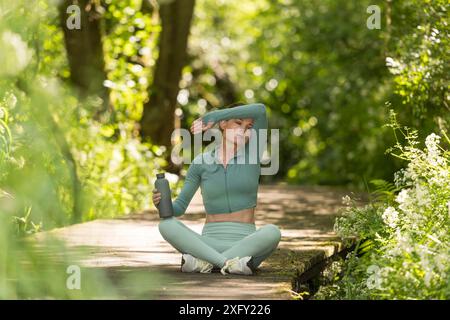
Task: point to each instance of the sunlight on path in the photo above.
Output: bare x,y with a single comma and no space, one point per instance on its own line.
305,216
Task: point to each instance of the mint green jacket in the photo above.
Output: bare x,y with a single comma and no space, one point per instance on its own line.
234,188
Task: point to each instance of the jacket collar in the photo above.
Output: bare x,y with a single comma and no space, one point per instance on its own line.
215,154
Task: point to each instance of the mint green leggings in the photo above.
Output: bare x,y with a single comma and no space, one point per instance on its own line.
221,241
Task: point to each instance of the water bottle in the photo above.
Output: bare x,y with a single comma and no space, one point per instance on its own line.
165,207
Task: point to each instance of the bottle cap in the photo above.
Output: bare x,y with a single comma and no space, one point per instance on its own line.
160,175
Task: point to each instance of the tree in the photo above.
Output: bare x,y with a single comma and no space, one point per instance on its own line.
84,48
157,121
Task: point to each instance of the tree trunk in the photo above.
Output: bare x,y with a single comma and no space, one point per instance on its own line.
157,123
85,50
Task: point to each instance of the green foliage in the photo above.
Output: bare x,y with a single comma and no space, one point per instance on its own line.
57,162
117,174
406,251
326,79
24,225
321,73
56,141
418,57
129,45
324,76
365,222
383,191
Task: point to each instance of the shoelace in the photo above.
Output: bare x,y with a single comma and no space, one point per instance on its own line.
228,264
205,266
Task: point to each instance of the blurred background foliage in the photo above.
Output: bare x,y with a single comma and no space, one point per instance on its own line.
326,77
72,144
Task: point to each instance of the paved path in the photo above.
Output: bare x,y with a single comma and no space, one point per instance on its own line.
305,216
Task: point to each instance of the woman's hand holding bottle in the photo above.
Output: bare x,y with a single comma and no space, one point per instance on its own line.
156,197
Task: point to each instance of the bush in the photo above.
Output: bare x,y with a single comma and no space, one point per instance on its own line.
409,253
58,164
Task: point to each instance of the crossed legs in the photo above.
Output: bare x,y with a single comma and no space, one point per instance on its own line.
259,244
188,241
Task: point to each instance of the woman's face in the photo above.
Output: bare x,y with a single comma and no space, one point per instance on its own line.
237,131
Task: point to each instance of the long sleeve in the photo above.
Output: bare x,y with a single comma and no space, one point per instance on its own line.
190,186
256,111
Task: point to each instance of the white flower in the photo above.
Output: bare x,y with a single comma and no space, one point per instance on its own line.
10,100
442,261
395,67
428,277
14,54
432,142
390,217
422,195
404,200
402,197
346,200
433,153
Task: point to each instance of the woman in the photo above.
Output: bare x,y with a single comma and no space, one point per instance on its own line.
229,184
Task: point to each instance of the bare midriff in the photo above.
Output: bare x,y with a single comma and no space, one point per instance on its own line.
243,216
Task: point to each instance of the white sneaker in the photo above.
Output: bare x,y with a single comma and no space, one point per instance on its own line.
237,266
192,264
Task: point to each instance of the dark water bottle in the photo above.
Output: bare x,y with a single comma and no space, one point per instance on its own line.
164,206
